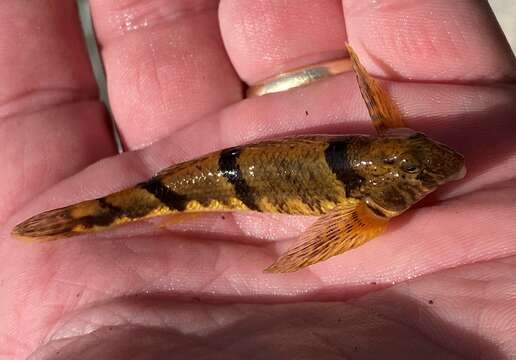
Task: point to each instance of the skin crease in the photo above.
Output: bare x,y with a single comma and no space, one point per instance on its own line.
440,284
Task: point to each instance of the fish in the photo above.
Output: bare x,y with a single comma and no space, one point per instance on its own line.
354,183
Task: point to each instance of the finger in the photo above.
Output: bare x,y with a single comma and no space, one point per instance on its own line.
436,40
49,116
265,38
165,63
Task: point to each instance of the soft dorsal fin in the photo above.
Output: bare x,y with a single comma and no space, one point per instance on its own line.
343,228
382,110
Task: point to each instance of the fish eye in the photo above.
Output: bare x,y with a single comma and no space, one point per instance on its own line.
409,164
410,168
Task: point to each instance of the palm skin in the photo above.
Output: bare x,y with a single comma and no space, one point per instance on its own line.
439,285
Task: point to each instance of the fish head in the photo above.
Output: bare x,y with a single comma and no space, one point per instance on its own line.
404,166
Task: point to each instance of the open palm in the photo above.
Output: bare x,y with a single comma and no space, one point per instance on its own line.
440,284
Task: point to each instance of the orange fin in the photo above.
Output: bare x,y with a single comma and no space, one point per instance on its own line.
383,112
345,227
177,218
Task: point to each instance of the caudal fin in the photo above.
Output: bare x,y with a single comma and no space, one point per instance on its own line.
94,215
47,226
72,220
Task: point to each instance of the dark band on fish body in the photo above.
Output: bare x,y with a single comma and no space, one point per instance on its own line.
163,193
337,158
104,204
103,218
133,211
228,165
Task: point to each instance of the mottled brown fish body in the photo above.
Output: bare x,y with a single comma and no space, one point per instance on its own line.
356,183
304,176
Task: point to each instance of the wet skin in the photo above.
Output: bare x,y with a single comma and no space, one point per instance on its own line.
439,284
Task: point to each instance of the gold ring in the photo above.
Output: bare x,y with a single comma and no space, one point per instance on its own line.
299,77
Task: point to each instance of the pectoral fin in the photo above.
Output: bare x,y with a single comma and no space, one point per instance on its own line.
345,227
382,110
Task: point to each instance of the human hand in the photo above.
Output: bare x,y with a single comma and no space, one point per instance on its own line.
439,284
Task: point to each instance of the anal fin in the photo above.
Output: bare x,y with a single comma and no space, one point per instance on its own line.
345,227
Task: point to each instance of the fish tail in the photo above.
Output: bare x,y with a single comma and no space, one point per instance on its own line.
93,215
59,223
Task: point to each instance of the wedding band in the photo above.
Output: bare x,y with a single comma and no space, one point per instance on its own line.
299,77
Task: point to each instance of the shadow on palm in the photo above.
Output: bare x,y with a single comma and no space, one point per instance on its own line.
388,324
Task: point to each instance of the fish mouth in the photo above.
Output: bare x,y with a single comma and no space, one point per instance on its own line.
458,175
455,176
379,210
